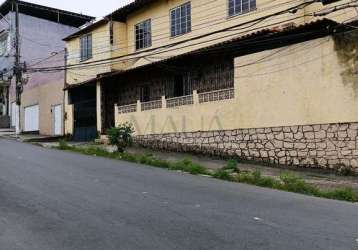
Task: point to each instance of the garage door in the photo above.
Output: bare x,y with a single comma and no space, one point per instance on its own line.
31,118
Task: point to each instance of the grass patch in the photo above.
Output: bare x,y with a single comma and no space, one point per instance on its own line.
231,165
63,145
287,181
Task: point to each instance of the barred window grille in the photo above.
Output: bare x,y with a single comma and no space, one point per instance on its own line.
237,7
180,20
143,34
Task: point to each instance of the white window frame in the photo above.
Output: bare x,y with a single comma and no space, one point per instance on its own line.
240,3
86,43
178,21
146,34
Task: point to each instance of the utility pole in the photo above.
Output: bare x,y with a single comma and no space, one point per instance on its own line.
17,68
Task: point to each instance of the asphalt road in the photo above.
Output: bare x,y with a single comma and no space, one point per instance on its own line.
59,200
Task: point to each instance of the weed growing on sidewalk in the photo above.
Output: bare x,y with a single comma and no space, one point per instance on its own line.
63,145
230,172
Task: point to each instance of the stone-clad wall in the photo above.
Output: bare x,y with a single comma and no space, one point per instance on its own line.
328,146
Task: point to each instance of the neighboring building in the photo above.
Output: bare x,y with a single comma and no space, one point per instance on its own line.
269,81
41,31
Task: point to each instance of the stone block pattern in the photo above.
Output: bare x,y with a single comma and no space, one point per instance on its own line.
326,146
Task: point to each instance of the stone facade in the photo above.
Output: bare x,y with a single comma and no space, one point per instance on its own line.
325,146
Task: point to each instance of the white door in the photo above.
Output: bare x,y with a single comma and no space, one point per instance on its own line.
57,119
13,114
32,118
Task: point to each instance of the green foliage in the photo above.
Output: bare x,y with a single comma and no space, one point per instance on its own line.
344,194
231,165
121,136
288,181
294,183
223,175
63,145
187,165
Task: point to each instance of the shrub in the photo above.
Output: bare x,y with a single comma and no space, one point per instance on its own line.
121,136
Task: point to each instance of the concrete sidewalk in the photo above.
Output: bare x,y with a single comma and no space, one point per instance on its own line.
10,134
317,177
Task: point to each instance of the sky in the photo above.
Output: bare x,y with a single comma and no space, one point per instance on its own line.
88,7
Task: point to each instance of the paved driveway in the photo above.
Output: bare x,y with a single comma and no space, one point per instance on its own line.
57,200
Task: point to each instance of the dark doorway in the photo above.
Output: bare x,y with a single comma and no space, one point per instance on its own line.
85,114
109,99
178,86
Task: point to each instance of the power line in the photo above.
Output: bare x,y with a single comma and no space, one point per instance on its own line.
119,48
207,24
146,50
239,44
98,64
201,36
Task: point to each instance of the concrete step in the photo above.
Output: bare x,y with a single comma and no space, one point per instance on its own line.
7,132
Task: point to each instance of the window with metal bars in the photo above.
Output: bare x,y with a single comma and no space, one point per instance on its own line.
180,20
143,34
86,47
237,7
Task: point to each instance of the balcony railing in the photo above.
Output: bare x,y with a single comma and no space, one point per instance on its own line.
180,101
157,104
195,98
218,95
127,108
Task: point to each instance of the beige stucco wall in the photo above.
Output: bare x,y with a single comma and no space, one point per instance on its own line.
101,50
211,16
46,96
119,47
207,16
295,85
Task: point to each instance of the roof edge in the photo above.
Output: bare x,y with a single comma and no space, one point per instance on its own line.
86,29
48,13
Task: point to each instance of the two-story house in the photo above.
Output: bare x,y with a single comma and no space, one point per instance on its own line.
269,81
41,30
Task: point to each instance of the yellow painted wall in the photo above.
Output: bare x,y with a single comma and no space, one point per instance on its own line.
210,16
295,85
207,16
101,50
119,47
